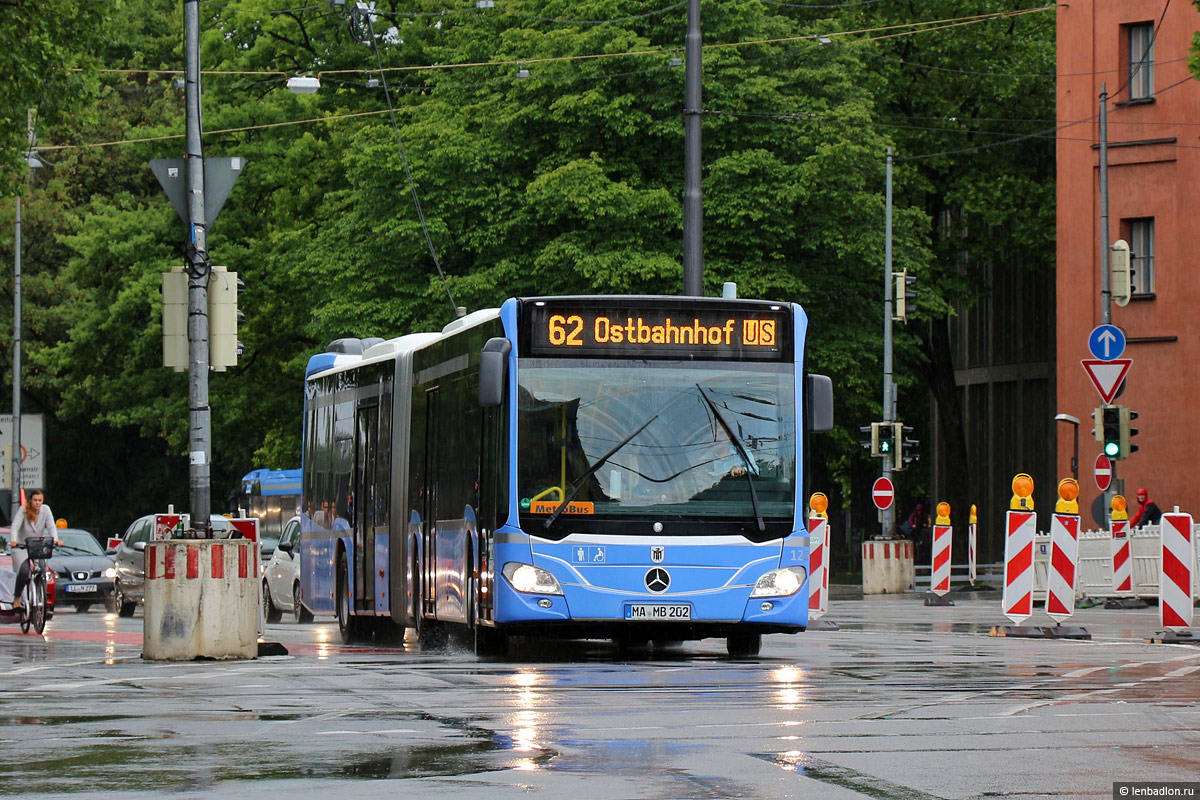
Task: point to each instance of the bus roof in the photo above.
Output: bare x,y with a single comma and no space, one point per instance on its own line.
390,348
272,481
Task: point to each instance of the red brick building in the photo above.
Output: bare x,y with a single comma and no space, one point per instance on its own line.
1140,52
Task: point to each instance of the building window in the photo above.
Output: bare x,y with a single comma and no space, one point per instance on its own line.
1141,61
1141,254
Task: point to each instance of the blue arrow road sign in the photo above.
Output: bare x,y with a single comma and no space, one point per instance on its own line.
1106,342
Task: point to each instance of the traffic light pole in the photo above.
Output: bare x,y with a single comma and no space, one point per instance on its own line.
888,515
1105,251
198,267
1105,285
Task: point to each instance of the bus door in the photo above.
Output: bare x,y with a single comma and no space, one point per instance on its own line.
366,443
429,518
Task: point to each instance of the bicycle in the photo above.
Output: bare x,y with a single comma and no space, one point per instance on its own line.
33,598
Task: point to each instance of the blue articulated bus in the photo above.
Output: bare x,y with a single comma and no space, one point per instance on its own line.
586,467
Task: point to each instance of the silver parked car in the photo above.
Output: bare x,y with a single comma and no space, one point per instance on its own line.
130,558
281,578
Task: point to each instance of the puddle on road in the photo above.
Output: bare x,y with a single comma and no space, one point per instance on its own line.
143,763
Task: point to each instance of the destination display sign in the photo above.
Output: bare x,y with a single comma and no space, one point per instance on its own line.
755,333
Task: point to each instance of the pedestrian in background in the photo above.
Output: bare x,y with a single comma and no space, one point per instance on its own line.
914,529
1148,512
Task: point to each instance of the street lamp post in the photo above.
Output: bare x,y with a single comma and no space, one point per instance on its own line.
31,160
1075,454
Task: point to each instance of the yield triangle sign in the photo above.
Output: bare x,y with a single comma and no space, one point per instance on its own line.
1107,376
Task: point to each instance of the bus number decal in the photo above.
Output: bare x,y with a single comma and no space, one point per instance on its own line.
558,333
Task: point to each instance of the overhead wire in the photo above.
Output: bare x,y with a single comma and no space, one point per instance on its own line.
1043,133
412,186
914,27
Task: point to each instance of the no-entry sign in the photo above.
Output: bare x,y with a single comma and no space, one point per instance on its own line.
882,493
1103,472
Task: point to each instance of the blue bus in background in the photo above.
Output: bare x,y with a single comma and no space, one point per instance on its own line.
273,497
587,467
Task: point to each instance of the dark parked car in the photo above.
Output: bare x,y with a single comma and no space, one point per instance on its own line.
130,560
83,573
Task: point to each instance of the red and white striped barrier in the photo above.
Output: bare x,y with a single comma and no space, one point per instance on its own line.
940,575
1064,558
1017,597
1178,558
818,564
201,599
1122,562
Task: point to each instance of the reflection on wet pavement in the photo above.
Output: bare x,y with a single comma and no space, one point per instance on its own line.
904,701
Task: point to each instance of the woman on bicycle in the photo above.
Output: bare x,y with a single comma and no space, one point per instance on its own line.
34,520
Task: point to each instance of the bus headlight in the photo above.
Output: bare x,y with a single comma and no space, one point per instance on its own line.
780,582
530,579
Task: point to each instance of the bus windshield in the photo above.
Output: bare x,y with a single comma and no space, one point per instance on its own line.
712,440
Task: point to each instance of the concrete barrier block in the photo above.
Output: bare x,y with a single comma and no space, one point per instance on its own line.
201,600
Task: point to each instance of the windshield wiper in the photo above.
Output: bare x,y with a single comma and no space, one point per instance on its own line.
751,467
592,471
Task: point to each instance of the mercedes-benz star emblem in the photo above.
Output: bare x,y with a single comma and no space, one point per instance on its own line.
657,580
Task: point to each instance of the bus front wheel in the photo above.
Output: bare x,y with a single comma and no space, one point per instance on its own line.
741,645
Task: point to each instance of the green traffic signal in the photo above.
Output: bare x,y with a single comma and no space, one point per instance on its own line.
1111,426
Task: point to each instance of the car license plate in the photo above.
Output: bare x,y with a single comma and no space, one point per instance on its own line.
82,587
657,611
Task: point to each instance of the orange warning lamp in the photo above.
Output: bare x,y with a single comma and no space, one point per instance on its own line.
973,519
1119,504
60,523
943,514
1068,493
1022,499
818,502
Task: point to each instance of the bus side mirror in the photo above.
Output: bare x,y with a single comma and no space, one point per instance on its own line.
493,371
818,403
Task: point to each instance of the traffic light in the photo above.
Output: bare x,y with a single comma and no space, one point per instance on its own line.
223,318
1122,275
1110,428
1127,447
905,446
886,437
905,296
868,444
174,319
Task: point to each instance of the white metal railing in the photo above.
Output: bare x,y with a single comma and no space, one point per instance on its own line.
1094,568
989,574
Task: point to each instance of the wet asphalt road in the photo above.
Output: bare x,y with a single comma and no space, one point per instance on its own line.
904,701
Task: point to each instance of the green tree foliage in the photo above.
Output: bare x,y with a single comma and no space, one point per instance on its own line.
46,51
544,146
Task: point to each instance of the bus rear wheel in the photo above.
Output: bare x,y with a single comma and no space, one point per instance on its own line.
348,624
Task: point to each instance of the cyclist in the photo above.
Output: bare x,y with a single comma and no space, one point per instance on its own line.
34,520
